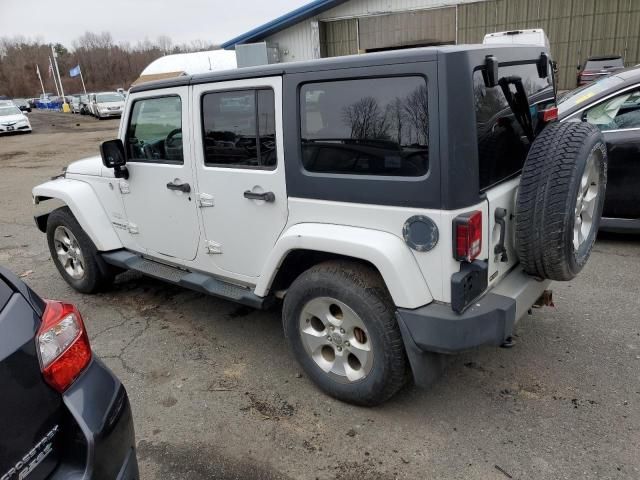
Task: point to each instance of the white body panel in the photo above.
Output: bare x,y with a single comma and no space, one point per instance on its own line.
245,230
501,196
533,36
436,265
387,252
85,205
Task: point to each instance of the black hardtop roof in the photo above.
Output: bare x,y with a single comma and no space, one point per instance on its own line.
504,52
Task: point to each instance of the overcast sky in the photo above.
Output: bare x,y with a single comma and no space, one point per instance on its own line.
133,20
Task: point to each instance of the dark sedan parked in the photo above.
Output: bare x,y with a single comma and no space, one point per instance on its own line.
595,68
613,105
63,414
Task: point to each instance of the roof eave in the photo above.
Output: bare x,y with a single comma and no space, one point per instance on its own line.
288,19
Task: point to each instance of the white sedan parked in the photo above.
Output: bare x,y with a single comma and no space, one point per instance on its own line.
13,120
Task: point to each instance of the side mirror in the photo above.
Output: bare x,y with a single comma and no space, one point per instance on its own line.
112,153
578,68
543,65
490,72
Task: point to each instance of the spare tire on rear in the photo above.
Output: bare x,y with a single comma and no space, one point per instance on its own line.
560,200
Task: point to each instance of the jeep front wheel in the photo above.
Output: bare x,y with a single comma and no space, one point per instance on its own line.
340,323
74,254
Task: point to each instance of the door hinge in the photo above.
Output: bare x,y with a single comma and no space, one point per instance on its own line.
124,187
205,200
132,228
213,247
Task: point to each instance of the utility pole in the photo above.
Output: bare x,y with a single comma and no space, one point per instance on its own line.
52,73
55,62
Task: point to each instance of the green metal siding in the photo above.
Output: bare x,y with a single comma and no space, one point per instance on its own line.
339,37
576,28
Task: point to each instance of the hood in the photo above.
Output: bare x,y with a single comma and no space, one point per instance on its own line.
11,119
87,166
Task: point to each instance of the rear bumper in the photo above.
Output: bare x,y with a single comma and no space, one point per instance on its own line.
436,328
99,405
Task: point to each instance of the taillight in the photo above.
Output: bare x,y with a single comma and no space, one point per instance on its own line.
63,345
549,114
467,236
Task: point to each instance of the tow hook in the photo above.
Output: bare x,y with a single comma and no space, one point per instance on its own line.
545,300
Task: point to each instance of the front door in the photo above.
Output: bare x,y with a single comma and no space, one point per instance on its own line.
240,171
159,194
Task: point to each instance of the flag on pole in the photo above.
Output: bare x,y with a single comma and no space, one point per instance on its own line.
75,71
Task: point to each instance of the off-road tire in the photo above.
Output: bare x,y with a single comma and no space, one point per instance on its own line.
98,275
547,199
362,289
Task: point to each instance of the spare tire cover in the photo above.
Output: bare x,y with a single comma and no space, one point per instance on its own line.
560,200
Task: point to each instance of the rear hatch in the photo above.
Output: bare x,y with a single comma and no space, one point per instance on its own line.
30,411
503,143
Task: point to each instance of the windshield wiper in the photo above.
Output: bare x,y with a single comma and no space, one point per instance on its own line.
518,102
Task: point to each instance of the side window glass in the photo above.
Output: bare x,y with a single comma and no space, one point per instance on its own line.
155,131
374,126
620,112
239,129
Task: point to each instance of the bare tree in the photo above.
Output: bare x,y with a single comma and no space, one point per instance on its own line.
366,119
105,64
415,107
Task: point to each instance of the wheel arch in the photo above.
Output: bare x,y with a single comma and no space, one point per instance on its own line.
83,202
307,244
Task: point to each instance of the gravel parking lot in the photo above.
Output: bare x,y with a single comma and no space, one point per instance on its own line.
216,394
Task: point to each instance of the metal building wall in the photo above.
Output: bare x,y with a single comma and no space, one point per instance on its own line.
417,28
299,42
576,28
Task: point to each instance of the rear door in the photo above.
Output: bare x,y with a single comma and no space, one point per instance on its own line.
29,409
502,150
239,157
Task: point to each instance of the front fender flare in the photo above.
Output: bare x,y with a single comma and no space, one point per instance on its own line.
85,206
387,252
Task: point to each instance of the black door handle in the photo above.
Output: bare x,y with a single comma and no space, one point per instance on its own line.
180,187
266,196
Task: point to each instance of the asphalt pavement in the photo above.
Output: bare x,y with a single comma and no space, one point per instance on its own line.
216,394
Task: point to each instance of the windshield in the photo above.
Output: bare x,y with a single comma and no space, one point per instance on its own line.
6,111
584,93
19,101
109,97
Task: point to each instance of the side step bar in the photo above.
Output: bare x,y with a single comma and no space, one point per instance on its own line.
200,282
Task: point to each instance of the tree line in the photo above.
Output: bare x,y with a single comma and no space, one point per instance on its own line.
105,64
403,120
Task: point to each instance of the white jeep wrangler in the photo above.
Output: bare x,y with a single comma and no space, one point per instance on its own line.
403,204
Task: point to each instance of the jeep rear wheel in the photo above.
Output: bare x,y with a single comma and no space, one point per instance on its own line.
340,323
75,255
560,200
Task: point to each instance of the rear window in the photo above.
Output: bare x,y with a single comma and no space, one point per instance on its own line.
604,63
502,143
372,126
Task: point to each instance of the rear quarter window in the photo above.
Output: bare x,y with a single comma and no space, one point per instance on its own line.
373,126
502,143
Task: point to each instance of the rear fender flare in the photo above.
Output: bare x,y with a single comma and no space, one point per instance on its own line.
85,206
387,252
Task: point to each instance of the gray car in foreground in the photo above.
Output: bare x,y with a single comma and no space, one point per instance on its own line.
63,414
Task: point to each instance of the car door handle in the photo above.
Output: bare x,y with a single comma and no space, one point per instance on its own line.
180,187
266,196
